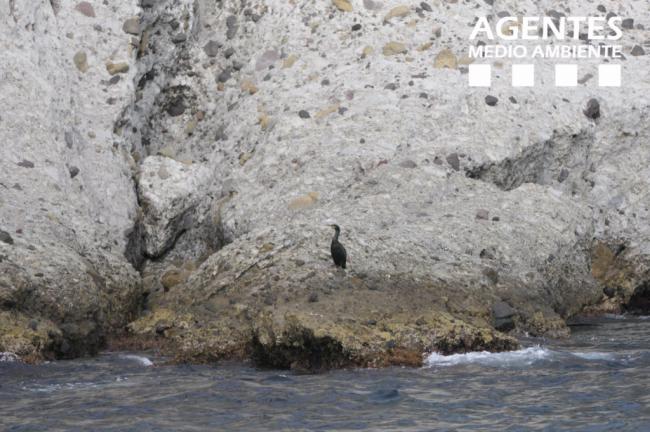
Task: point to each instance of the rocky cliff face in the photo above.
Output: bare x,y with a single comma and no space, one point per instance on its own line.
182,159
66,190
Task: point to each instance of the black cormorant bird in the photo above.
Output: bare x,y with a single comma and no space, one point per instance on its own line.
339,255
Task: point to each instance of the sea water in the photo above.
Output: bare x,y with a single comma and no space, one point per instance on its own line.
598,380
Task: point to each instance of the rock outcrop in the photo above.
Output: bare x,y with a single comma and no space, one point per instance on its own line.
214,141
169,194
67,198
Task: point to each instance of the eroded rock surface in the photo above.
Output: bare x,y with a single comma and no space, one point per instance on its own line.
246,128
64,279
170,193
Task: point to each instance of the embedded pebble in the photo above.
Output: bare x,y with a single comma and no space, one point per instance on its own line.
491,100
86,9
117,68
81,61
453,161
592,110
5,237
176,107
397,12
132,26
26,164
343,5
445,59
224,76
394,48
372,4
231,24
211,49
637,51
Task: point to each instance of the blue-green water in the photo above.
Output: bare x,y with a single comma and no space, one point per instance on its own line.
599,380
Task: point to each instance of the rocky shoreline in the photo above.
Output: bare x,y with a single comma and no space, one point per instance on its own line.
169,170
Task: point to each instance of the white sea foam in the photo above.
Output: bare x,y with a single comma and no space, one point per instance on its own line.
143,361
7,357
626,316
523,357
51,388
595,356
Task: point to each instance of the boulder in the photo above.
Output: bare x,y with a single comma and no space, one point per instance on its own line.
170,192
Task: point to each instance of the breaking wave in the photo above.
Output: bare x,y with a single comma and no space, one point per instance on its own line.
143,361
523,357
519,358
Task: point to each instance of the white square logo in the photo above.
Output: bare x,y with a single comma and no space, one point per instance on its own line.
523,75
609,75
566,75
480,75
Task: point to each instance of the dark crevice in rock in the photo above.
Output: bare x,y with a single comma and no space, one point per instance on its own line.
639,303
134,252
169,247
12,10
79,339
469,343
161,59
504,316
206,233
56,6
300,350
562,159
157,97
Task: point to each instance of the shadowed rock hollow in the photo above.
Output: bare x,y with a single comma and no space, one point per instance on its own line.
240,130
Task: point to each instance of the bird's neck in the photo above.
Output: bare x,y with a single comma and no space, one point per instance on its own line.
336,236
